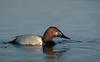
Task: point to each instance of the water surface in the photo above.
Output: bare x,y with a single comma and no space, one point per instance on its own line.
78,19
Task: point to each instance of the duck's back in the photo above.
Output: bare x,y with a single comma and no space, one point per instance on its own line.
28,40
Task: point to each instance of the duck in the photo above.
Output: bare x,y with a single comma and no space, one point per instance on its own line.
46,39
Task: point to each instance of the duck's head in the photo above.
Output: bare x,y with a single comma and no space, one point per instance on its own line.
52,32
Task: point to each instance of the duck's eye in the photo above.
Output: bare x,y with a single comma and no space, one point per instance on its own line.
56,33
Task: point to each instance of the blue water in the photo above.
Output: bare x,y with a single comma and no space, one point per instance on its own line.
78,19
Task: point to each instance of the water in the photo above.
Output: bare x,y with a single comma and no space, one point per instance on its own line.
78,19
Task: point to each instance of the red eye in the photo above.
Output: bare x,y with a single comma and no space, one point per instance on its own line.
56,33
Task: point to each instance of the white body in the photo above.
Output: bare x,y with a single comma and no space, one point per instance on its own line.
29,40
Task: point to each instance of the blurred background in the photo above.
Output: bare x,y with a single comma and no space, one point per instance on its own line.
78,19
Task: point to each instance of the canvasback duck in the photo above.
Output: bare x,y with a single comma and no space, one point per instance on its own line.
46,39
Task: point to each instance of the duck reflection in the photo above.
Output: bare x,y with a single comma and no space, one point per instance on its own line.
53,53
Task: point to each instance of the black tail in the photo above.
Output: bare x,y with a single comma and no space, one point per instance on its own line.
12,42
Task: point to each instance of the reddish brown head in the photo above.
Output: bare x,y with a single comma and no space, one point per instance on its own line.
52,32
